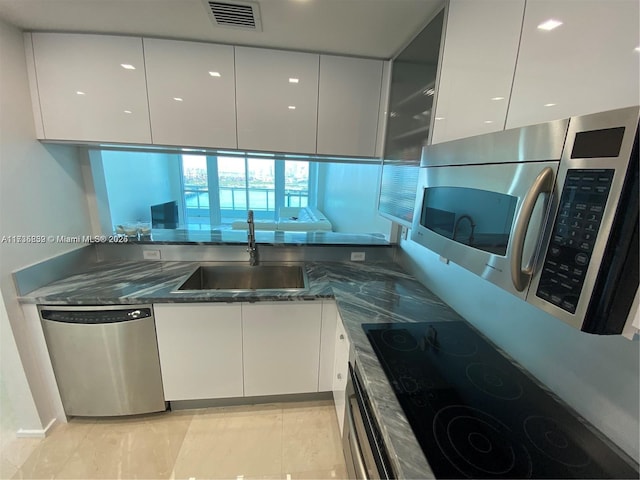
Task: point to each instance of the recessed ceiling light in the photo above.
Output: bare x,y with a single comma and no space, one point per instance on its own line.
439,118
128,111
637,49
292,107
488,121
215,74
80,93
127,66
177,99
497,98
294,80
549,104
549,24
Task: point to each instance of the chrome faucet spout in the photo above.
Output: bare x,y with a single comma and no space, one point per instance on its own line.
252,248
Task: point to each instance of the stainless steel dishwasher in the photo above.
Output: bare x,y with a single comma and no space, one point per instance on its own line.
105,359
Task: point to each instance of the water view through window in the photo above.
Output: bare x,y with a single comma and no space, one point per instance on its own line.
220,190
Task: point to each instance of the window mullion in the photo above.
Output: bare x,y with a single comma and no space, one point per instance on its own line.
279,186
246,182
313,184
213,185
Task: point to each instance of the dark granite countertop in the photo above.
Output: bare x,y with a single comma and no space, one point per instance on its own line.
364,293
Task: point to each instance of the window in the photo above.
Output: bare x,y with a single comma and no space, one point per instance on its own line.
213,190
220,190
196,191
296,183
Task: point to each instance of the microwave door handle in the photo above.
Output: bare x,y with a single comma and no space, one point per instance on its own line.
542,184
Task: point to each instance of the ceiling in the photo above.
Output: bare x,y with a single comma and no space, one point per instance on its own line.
369,28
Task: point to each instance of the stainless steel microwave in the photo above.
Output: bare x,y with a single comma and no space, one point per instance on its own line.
548,212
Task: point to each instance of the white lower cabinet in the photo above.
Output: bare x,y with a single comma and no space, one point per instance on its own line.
281,347
200,347
327,345
340,371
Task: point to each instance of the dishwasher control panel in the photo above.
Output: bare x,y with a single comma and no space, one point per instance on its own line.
96,316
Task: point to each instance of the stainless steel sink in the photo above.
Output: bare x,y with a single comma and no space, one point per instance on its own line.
244,277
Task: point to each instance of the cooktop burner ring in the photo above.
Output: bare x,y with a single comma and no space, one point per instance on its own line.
548,437
400,340
477,453
493,381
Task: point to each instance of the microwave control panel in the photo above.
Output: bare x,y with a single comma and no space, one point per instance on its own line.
582,203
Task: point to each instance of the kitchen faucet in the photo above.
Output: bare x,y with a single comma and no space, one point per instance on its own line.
251,240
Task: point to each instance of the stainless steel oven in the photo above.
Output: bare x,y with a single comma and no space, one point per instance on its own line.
547,212
362,442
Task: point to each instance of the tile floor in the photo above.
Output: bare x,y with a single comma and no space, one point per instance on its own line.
281,440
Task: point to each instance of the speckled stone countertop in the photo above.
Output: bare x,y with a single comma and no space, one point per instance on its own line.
364,293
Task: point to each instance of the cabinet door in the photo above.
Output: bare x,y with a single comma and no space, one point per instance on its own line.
277,100
412,89
191,93
341,371
586,65
327,346
92,87
200,350
348,105
477,68
281,348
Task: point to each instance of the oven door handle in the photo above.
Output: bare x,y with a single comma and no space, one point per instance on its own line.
542,184
356,451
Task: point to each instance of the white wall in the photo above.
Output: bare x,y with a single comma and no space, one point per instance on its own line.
135,181
41,193
599,376
348,196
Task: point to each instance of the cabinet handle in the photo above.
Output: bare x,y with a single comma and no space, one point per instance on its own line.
339,376
341,337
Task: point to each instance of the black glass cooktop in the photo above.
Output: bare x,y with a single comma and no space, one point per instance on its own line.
477,415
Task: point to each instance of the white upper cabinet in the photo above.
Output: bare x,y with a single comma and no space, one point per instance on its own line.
191,93
91,87
477,67
588,63
348,105
277,100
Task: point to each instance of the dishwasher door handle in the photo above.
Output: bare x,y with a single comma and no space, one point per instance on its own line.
361,470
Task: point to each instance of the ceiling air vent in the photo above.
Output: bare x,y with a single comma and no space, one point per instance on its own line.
245,15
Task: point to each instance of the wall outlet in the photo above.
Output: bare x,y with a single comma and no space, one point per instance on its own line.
151,254
357,256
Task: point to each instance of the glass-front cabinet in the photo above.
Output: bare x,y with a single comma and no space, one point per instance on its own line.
413,81
409,119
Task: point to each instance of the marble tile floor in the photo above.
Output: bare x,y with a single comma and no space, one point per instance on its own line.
274,441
